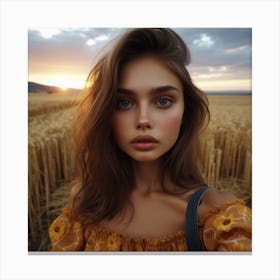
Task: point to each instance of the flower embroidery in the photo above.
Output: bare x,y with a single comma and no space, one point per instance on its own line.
58,229
229,230
224,223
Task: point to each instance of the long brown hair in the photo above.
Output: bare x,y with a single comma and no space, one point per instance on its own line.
104,173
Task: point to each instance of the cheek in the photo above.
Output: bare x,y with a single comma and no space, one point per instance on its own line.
120,125
172,123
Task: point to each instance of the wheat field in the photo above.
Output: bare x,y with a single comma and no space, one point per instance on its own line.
227,152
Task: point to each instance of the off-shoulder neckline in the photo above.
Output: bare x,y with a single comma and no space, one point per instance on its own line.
164,238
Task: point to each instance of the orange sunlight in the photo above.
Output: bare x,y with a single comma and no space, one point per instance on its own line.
64,82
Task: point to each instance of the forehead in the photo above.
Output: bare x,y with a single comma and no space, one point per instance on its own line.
147,72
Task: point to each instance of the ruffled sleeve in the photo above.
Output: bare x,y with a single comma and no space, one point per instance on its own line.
228,228
66,234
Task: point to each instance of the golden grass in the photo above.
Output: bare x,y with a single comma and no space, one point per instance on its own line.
49,160
42,103
228,140
226,149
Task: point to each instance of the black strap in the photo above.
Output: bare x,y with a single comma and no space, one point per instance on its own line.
191,223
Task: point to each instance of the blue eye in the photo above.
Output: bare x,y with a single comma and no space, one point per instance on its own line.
124,104
164,102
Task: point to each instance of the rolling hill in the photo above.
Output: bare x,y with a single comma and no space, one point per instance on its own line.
39,88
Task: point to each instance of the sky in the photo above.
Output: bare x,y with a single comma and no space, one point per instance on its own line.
221,58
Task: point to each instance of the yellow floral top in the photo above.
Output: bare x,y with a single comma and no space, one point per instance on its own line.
226,228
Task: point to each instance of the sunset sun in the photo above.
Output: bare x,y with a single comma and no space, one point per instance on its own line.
65,82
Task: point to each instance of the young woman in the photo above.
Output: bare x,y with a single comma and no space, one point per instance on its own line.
138,185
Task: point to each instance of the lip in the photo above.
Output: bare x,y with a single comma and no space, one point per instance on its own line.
144,142
144,139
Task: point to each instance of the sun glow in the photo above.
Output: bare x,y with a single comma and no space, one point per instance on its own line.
65,82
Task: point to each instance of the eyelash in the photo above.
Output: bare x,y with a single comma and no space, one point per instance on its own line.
121,107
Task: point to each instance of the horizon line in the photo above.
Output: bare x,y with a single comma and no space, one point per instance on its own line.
206,91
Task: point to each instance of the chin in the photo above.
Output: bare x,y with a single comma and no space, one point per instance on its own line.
145,160
145,157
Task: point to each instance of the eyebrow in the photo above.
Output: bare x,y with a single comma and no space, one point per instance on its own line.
160,89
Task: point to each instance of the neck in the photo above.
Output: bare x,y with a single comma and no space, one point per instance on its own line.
148,177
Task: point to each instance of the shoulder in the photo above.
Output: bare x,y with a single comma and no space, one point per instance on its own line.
214,197
66,233
226,222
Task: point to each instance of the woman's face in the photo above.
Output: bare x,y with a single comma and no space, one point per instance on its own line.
149,110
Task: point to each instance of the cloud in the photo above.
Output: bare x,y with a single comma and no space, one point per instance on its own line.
218,46
237,49
97,39
204,41
73,49
49,32
216,53
91,42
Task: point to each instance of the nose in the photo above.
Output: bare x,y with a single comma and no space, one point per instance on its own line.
144,117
